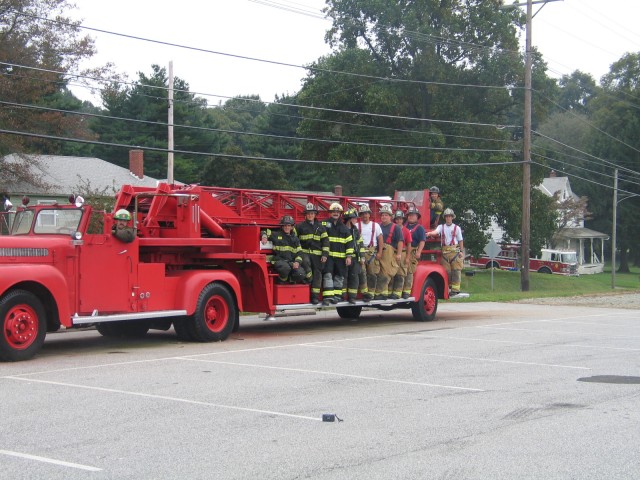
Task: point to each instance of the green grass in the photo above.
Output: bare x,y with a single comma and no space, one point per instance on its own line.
506,285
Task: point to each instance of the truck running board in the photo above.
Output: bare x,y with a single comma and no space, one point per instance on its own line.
96,318
284,310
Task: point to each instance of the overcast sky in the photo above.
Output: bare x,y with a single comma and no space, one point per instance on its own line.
572,34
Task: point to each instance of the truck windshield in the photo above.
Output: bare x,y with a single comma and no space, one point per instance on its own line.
47,221
569,258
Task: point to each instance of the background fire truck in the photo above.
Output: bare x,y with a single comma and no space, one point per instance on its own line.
561,262
195,264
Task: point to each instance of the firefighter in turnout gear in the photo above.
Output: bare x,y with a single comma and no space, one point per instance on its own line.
418,239
355,280
403,267
436,206
372,241
452,249
121,230
286,260
340,256
391,253
315,249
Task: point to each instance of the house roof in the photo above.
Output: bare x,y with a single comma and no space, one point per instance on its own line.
551,185
580,232
64,174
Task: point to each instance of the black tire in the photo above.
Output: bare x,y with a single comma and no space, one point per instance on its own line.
493,265
424,310
349,312
24,326
215,314
181,327
545,270
124,329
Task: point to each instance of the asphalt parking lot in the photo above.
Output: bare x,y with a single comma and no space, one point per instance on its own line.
487,391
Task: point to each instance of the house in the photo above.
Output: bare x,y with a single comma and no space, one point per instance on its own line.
588,244
65,175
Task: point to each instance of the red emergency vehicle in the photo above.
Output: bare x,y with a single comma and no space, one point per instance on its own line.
195,263
561,262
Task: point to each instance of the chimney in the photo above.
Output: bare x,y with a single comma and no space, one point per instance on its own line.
552,174
337,190
136,163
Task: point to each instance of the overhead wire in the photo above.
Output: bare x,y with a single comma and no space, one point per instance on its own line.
253,157
236,132
298,117
307,107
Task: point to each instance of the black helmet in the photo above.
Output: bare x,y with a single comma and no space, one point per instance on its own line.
287,220
310,208
413,209
434,189
399,214
351,213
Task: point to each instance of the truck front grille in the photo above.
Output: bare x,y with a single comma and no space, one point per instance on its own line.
24,252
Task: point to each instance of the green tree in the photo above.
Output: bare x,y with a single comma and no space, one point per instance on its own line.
147,101
617,141
37,40
415,64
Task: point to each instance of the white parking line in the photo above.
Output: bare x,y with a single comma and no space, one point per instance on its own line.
512,342
163,397
50,460
320,372
459,357
562,332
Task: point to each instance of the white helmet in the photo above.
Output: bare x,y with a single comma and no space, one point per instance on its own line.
386,209
448,211
335,206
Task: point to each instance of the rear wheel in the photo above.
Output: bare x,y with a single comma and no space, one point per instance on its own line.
349,312
493,265
215,314
424,310
24,326
544,270
130,329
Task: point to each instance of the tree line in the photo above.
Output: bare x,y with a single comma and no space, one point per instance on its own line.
413,94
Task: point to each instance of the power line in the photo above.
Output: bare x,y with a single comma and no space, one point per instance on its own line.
352,112
250,157
271,62
585,179
236,132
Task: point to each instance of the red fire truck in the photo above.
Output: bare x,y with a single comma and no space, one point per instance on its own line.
195,263
561,262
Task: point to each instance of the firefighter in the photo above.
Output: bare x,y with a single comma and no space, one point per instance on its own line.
121,230
397,284
436,206
418,239
315,249
355,280
391,253
452,249
340,256
371,235
286,252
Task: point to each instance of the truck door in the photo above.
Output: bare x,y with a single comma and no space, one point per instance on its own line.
107,271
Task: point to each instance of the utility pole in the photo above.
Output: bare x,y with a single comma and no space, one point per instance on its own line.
170,128
614,230
526,154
